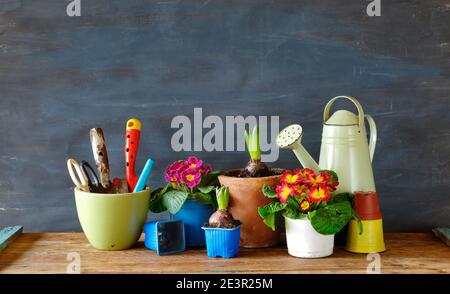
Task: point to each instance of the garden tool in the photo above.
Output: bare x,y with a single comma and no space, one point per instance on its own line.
120,186
371,238
344,148
145,174
100,155
93,181
77,174
133,133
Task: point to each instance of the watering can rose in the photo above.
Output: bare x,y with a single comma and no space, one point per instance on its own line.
302,193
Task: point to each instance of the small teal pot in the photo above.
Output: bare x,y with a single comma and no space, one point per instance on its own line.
222,242
194,215
165,236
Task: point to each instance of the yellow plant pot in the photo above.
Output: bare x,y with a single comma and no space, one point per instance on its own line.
371,240
112,221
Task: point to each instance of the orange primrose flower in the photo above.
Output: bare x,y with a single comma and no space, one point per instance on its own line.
290,178
283,192
332,186
319,193
304,205
304,173
315,180
299,189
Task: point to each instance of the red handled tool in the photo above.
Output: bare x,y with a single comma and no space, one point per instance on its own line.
132,136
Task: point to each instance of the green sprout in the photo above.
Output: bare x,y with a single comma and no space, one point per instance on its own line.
223,197
252,142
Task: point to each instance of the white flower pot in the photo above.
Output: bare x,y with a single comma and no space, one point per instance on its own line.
303,240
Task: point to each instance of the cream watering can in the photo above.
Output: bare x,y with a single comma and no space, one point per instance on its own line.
344,148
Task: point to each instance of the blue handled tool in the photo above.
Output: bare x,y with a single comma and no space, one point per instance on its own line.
144,176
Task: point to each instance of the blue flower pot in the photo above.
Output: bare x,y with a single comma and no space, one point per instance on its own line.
165,236
222,242
194,215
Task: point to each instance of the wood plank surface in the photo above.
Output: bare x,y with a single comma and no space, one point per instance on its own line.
48,253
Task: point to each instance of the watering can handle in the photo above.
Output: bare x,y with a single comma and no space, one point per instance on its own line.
326,111
373,135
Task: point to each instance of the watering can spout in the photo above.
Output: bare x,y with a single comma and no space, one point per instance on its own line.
305,158
290,138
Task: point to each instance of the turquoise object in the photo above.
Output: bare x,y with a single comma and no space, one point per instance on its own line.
443,234
222,242
165,237
145,174
8,235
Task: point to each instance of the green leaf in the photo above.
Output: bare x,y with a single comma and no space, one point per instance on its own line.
292,210
322,204
269,221
156,192
203,198
206,189
292,203
270,208
223,197
358,221
174,200
269,192
247,139
252,142
341,197
269,213
210,179
156,204
331,219
294,213
256,146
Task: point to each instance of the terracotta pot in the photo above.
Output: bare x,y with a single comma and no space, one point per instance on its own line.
245,198
366,205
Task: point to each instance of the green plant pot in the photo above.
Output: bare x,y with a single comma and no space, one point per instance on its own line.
112,221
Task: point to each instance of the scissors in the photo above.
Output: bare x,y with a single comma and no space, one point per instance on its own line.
85,178
93,181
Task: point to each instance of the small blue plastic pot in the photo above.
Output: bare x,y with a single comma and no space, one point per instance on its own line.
222,242
165,237
194,215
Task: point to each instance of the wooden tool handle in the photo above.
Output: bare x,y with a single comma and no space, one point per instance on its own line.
100,155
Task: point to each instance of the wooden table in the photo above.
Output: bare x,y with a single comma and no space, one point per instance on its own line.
48,253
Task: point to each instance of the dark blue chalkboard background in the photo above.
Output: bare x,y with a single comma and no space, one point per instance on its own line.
61,76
